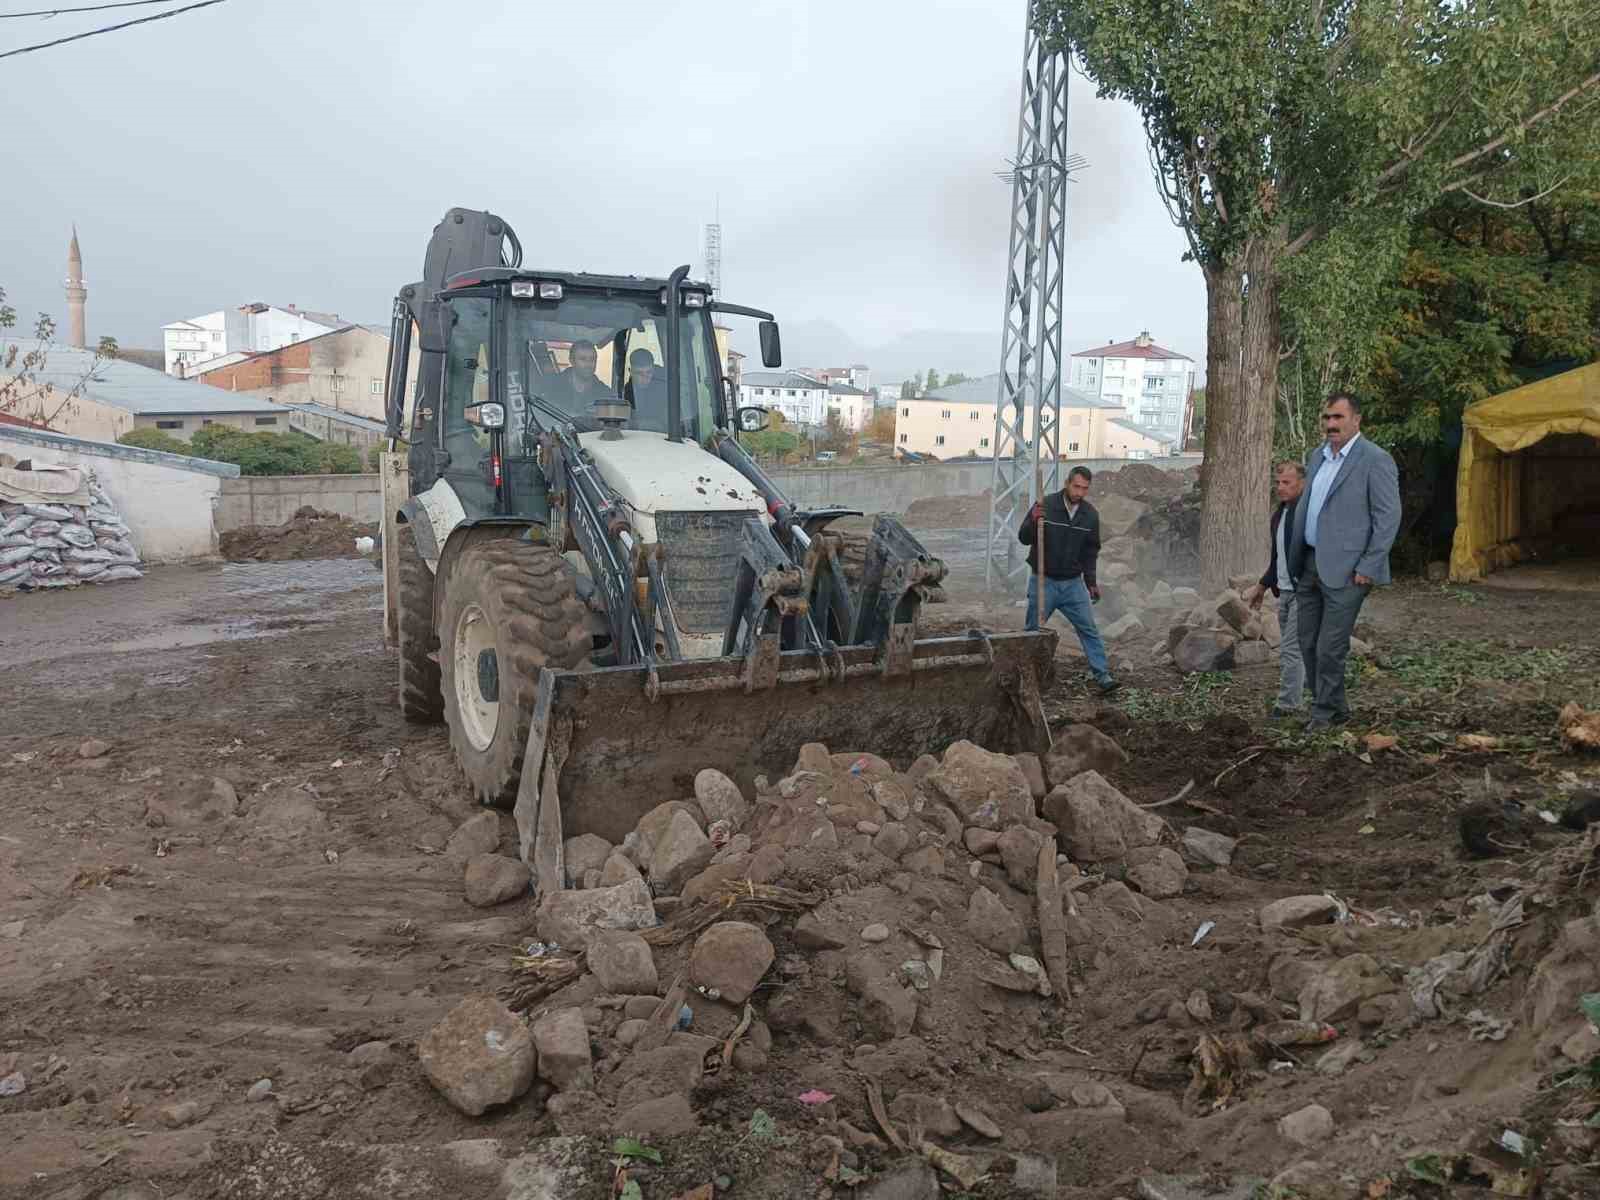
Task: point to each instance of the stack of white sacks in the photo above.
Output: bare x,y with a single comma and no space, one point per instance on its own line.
51,545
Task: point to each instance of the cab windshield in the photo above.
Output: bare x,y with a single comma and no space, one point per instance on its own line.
585,350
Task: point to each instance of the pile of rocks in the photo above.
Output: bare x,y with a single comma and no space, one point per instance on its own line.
869,862
55,545
1223,633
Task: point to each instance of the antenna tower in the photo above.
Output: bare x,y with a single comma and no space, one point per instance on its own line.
714,256
1028,410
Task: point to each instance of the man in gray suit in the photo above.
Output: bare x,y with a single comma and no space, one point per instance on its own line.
1343,529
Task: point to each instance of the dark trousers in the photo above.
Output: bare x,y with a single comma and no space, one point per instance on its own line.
1326,618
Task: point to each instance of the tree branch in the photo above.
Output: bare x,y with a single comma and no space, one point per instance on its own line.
1518,203
1548,110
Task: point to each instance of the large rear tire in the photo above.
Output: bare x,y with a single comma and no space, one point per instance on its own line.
421,702
509,611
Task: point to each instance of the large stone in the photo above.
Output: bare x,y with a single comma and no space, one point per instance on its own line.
1019,851
1251,654
1185,597
480,1055
619,868
1118,514
1161,596
1205,848
887,1010
582,854
988,790
1157,872
1127,625
493,879
931,1114
562,1040
1337,991
622,962
731,957
720,799
196,805
660,1117
655,822
681,851
1204,650
478,834
810,933
673,1069
1308,1126
1296,912
913,1179
1177,633
1097,822
1080,748
1232,609
992,925
566,917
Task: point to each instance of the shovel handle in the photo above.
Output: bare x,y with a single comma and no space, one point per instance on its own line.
1038,541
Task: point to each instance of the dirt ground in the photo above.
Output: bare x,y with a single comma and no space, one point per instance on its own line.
309,534
158,957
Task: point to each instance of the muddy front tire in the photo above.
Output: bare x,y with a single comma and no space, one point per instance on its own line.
509,611
421,702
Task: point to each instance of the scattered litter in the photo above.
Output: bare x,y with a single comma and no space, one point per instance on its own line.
1487,1028
338,762
1548,817
1479,742
1205,928
918,973
685,1017
814,1096
365,545
1381,741
1367,829
1514,1142
13,1084
541,949
331,855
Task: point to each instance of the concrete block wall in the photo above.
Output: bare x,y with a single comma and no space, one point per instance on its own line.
273,499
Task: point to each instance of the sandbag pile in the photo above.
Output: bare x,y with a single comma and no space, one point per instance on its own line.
54,545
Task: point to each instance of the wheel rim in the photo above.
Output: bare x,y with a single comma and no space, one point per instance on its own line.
472,648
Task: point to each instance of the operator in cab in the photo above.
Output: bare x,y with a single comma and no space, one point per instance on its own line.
578,388
646,390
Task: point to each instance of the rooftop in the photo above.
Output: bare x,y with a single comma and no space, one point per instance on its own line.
844,389
1139,347
784,379
335,414
1149,431
986,390
135,389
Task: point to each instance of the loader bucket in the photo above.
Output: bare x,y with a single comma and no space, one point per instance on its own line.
603,750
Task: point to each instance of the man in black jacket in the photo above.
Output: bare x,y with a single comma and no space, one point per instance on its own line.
1289,481
1071,548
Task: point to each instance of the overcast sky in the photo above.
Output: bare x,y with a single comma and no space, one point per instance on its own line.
300,151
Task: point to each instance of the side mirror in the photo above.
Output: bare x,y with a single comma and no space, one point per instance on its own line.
485,416
752,419
771,344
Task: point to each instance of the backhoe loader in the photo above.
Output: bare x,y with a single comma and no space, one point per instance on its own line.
596,587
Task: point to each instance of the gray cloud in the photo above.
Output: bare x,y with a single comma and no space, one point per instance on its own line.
300,151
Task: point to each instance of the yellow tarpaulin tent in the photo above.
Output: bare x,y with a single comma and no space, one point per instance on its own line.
1530,459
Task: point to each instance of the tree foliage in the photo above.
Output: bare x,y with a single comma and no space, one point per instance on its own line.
932,380
155,439
1294,143
771,444
22,393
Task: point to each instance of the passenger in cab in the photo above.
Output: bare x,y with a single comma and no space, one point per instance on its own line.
578,388
647,392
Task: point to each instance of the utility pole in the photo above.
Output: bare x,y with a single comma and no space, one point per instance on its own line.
1028,408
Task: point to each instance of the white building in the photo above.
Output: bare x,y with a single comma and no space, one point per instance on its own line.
1149,382
801,399
852,404
236,331
958,422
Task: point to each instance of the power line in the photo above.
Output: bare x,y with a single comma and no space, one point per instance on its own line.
78,37
56,12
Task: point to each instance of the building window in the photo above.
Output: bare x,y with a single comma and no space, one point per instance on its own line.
169,424
983,443
905,412
266,420
973,415
939,441
945,413
338,382
376,387
1072,446
902,437
791,391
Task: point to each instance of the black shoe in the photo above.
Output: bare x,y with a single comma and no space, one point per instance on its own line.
1108,685
1318,725
1279,713
1340,718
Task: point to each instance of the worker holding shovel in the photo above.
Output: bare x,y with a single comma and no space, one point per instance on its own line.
1064,529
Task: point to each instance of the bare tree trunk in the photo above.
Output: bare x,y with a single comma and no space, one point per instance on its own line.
1242,343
